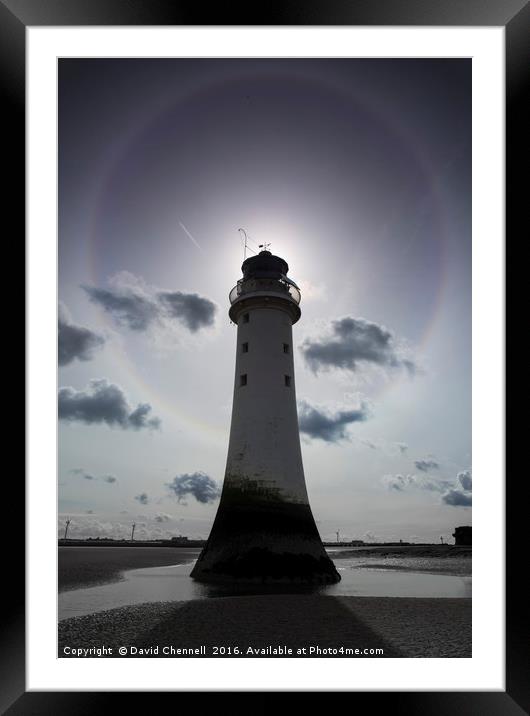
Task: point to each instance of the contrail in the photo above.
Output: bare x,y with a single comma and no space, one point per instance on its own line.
190,236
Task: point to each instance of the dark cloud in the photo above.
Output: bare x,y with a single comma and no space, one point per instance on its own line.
317,423
138,307
426,465
143,498
103,402
461,495
201,486
353,341
127,307
110,479
75,341
457,498
139,417
464,478
192,310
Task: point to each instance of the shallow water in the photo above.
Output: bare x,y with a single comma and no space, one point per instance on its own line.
173,583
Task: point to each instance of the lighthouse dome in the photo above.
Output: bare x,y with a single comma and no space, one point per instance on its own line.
264,265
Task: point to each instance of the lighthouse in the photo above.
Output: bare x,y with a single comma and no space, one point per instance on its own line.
264,530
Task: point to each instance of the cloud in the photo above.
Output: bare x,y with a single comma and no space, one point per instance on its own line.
87,476
143,498
139,307
75,341
353,341
400,483
426,465
402,447
103,402
84,525
464,478
461,495
371,537
201,486
128,308
318,423
162,517
81,472
139,417
192,310
457,498
451,493
311,290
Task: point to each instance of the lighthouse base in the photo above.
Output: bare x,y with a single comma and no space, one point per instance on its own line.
257,540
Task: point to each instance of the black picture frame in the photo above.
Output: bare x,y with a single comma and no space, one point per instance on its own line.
514,16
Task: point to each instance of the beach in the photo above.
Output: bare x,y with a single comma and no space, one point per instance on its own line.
270,625
431,628
87,566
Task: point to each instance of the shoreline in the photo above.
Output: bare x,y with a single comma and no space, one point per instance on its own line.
95,566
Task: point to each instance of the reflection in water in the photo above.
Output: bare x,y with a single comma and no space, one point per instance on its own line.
173,583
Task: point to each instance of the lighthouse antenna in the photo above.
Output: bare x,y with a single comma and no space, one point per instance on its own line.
246,239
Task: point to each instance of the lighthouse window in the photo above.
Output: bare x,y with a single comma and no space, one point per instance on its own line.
244,348
286,348
243,379
287,381
245,318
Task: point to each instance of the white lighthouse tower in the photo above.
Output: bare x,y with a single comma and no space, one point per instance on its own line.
264,530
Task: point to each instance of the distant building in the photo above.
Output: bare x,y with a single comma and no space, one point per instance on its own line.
462,535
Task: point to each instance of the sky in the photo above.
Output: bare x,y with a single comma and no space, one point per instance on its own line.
358,173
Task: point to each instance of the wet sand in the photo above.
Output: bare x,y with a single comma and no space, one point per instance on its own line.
87,566
402,627
412,551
